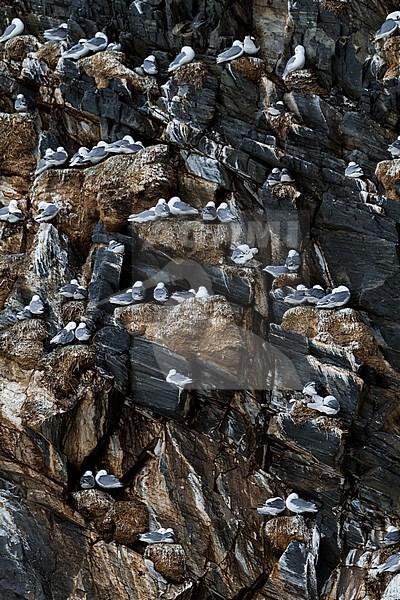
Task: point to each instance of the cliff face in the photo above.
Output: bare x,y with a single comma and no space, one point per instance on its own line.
200,461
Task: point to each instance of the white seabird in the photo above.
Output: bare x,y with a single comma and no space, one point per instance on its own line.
56,34
73,290
394,148
224,213
293,261
209,212
160,293
392,536
185,56
126,146
328,405
272,506
249,45
178,379
162,209
77,51
97,43
123,299
353,170
392,564
337,298
114,47
11,213
202,293
149,65
304,295
48,212
235,51
138,291
79,159
97,153
243,253
87,481
36,305
21,104
162,536
177,207
389,27
82,332
52,159
65,336
145,216
286,176
183,295
274,177
310,389
298,506
15,28
106,481
296,62
276,109
116,247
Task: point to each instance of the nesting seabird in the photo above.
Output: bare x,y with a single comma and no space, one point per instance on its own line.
80,159
73,290
178,379
123,299
274,177
77,51
391,565
106,481
11,213
286,176
296,62
114,47
328,405
293,261
353,170
392,536
185,56
160,293
48,212
162,209
310,389
177,207
138,291
128,145
299,506
44,162
145,216
389,27
97,43
21,104
56,34
97,153
15,28
209,212
272,507
36,305
162,536
87,481
304,295
337,298
183,295
65,336
52,159
394,148
224,213
235,51
116,247
276,109
149,65
202,293
249,45
243,253
82,332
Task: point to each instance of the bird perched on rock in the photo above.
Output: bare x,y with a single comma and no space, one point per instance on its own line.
87,481
243,253
178,379
48,212
235,51
15,28
56,34
353,170
293,261
310,389
161,536
97,43
328,405
149,65
299,506
392,536
106,481
392,564
202,293
296,62
36,305
177,207
337,298
116,247
80,159
160,293
162,209
183,295
394,148
11,213
274,177
209,212
389,27
52,159
73,290
138,291
286,176
123,299
21,104
249,45
304,295
77,51
65,336
224,213
272,507
83,332
114,47
276,109
145,216
97,153
185,56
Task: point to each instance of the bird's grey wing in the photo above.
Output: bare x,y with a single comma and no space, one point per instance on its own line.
74,49
302,504
97,42
230,54
177,60
182,206
49,211
290,63
108,480
149,65
4,211
340,296
97,152
392,561
276,503
392,536
8,30
388,26
58,156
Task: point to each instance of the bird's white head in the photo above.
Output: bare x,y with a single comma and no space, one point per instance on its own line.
101,472
223,205
60,149
172,372
64,26
237,43
174,199
211,203
299,50
292,253
137,284
100,34
42,205
318,287
160,286
292,496
301,287
342,288
70,326
20,96
352,164
395,16
49,152
161,201
74,282
35,298
88,473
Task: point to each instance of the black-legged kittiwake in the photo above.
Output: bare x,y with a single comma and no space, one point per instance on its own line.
11,213
97,43
21,104
161,536
56,34
276,109
235,51
65,336
209,212
391,565
310,389
138,291
123,299
149,65
249,45
274,177
243,253
162,209
116,247
183,295
328,405
73,290
299,506
114,47
337,298
178,379
293,261
389,27
304,295
286,176
97,153
15,28
80,159
145,216
185,56
83,333
224,213
160,293
296,62
272,506
394,148
48,211
36,305
202,293
107,481
353,170
177,207
87,481
77,51
392,536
